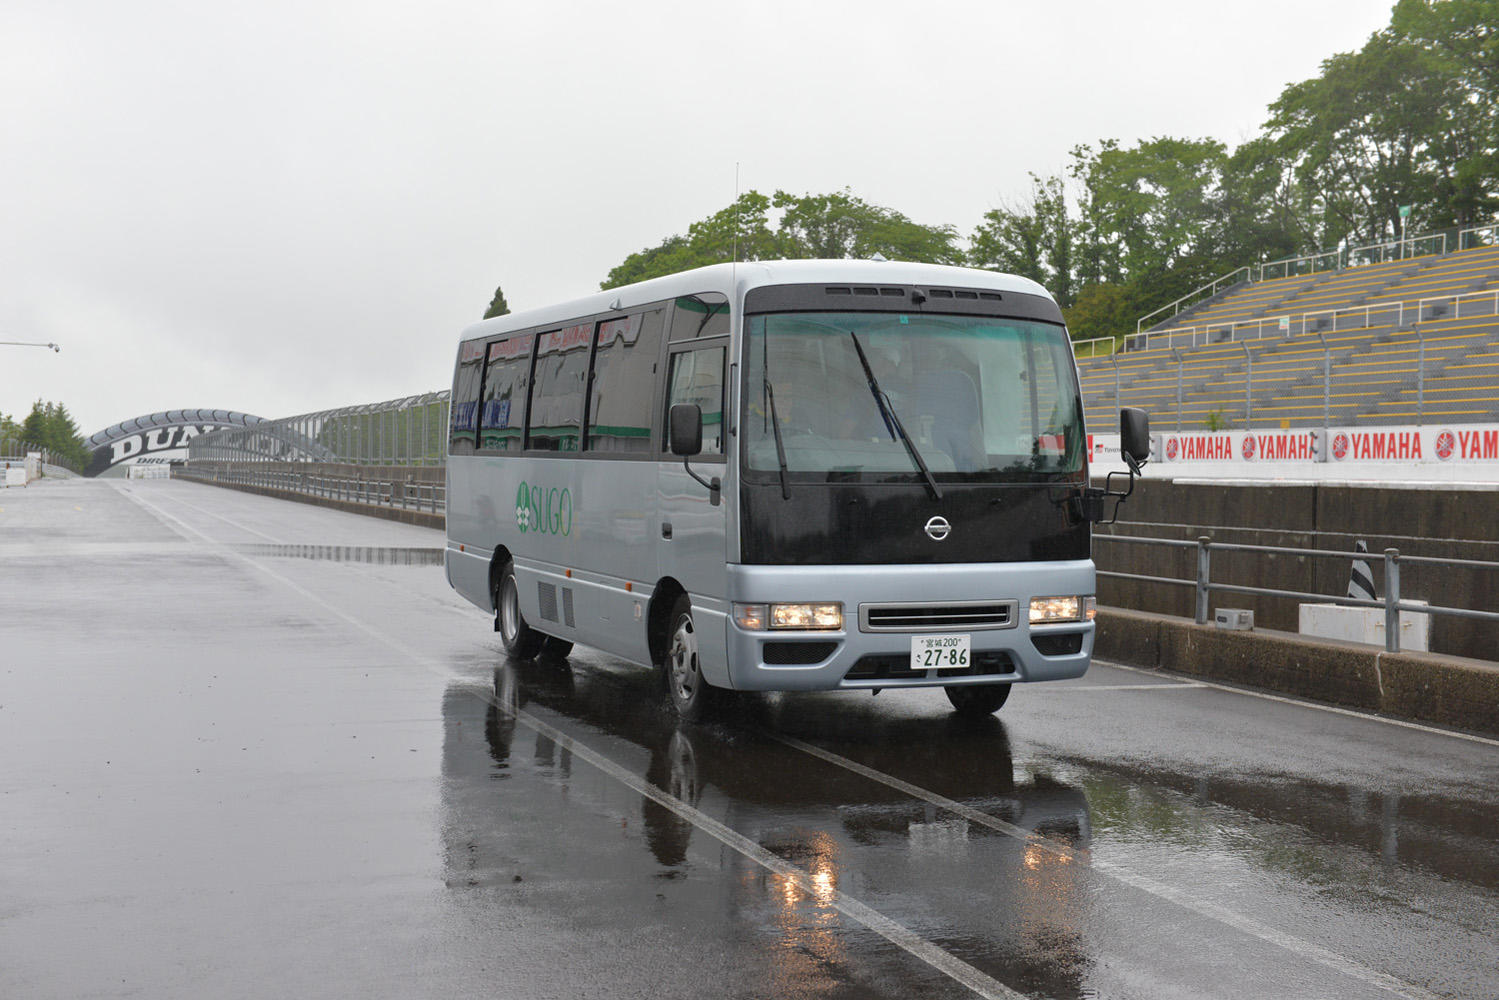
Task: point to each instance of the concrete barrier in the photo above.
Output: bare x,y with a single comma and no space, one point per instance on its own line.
1426,687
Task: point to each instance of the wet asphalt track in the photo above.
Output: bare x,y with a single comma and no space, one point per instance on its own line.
253,748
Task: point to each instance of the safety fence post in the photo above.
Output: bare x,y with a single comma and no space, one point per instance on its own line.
1392,600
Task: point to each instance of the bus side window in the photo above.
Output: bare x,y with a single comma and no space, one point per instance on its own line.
697,317
502,413
622,383
697,377
464,408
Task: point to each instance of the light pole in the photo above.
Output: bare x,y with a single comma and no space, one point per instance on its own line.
28,343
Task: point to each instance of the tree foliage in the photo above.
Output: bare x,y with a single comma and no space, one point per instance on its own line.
809,226
49,426
1411,118
497,305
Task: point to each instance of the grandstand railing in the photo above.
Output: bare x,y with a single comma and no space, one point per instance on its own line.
1297,323
1287,263
1092,347
1465,243
1427,244
1197,294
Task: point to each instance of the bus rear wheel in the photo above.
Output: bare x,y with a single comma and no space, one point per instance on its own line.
691,695
521,641
973,701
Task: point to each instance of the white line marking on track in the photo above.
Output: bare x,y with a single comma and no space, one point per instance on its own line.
1248,925
1334,709
1063,687
896,933
892,931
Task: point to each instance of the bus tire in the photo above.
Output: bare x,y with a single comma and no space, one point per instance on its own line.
522,642
691,695
554,648
977,701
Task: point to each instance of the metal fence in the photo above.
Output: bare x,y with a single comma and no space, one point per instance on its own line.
1391,603
16,450
411,431
394,487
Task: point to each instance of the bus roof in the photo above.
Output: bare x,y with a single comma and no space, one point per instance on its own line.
734,280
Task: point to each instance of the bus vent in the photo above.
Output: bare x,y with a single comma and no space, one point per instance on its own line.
947,616
963,293
867,290
567,606
546,595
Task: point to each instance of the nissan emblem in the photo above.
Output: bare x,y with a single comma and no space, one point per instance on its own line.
938,528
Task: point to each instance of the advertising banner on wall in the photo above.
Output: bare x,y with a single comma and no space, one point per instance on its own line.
1467,453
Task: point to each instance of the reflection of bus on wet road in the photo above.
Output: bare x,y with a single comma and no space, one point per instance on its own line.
1015,901
790,475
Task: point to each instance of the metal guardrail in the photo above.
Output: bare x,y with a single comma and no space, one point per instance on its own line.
347,483
1392,604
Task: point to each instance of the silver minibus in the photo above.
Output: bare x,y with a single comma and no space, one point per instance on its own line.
785,476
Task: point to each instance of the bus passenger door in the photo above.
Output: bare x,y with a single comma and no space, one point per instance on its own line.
692,537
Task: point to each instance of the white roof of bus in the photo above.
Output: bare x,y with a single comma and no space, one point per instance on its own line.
726,278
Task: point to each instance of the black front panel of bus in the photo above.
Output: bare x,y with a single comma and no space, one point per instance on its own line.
885,523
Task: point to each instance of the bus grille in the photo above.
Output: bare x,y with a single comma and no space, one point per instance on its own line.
951,616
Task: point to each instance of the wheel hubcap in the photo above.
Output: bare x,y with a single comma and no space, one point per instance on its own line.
509,610
683,660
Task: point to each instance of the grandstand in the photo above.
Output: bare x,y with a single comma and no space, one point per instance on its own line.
1404,342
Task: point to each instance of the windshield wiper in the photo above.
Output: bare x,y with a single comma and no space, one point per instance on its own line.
892,421
775,426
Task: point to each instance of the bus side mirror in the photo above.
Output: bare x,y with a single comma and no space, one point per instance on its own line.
684,433
685,430
1134,436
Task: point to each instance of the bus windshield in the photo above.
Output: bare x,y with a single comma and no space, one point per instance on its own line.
861,392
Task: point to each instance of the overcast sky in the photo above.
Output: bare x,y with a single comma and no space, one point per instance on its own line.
281,207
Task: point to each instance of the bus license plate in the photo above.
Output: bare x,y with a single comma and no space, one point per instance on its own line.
940,652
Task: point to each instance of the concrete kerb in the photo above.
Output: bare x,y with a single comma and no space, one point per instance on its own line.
1425,687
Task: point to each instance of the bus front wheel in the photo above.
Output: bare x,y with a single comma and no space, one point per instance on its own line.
691,694
521,640
977,701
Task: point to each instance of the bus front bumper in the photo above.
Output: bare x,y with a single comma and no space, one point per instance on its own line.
865,656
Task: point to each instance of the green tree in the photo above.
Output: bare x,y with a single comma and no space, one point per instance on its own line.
1362,137
1032,239
50,426
739,232
497,305
1461,37
840,225
810,226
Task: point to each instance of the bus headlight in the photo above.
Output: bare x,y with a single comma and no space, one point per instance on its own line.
797,617
1055,610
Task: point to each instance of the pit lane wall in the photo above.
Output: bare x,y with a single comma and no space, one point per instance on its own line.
1428,687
